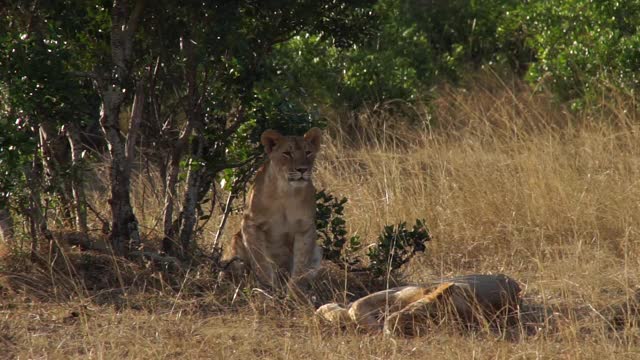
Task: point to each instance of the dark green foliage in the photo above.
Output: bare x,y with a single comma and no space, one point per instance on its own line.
204,69
35,60
16,150
415,45
239,84
462,33
571,46
395,247
394,62
330,225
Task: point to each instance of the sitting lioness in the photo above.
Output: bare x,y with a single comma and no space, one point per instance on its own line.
278,234
410,310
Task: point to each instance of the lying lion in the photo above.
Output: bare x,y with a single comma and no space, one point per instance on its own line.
410,310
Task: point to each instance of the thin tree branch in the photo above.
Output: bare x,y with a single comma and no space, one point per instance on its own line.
105,223
223,221
238,164
87,74
239,120
136,120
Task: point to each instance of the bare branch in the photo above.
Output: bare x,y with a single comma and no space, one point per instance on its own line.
239,120
105,223
238,164
223,221
86,74
136,120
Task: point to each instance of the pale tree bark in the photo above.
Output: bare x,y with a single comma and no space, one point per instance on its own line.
125,235
223,220
56,162
171,183
37,221
191,198
77,184
124,225
193,109
6,226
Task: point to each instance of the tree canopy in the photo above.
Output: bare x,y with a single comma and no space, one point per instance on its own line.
189,85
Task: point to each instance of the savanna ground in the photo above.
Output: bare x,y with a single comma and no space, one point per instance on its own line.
508,183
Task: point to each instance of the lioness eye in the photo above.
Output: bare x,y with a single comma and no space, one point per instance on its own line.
287,154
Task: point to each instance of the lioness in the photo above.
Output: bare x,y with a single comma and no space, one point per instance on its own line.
278,234
409,310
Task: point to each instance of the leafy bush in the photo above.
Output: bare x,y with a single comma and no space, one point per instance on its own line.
572,46
394,62
394,247
414,45
330,225
16,150
580,44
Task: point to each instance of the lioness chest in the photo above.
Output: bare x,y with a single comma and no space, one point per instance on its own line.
282,226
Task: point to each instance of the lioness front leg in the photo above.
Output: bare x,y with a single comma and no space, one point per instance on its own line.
418,313
255,248
306,257
368,311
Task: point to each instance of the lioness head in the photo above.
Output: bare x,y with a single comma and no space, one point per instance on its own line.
292,156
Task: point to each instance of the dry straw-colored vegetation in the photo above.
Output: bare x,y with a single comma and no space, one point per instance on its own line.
508,182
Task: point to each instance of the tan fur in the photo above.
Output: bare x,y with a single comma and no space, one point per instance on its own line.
278,235
410,310
419,313
369,312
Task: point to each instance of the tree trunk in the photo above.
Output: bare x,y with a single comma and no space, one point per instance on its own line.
169,197
37,220
124,225
223,220
191,199
171,183
77,185
56,163
193,109
6,226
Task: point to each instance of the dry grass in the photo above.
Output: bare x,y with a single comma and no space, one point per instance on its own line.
507,181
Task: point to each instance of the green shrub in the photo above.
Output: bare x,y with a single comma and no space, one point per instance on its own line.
413,45
330,225
580,44
394,247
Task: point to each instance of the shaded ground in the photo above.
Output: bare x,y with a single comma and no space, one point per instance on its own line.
53,315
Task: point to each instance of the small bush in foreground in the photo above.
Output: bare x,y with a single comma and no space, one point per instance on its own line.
395,246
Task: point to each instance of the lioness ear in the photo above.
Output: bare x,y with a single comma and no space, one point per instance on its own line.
270,139
314,137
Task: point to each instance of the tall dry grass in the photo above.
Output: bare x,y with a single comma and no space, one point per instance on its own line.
507,180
